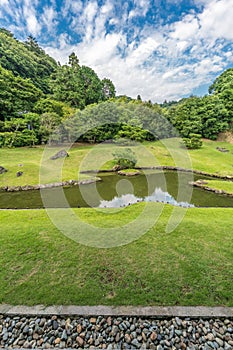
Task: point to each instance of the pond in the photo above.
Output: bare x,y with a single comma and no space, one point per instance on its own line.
117,191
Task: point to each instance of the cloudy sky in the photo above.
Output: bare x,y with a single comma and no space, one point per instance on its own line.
160,49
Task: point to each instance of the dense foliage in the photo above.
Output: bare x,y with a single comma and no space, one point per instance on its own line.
17,95
205,116
114,120
78,85
37,95
26,60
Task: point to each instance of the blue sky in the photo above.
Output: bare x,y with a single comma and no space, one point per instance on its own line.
160,49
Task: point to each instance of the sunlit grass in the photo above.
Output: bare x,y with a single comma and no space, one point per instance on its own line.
226,186
190,266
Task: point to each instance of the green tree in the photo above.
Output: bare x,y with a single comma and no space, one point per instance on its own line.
79,85
108,89
193,141
223,88
92,86
48,105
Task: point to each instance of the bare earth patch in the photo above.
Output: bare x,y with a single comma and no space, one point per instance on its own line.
226,136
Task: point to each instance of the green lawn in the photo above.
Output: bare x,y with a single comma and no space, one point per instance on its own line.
190,266
207,159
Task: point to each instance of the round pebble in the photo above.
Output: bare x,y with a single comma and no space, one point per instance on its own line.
115,333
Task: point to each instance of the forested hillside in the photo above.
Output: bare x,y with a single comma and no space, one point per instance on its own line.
26,60
37,94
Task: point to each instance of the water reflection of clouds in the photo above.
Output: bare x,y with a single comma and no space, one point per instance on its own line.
157,196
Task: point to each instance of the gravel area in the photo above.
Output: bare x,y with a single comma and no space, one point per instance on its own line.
108,332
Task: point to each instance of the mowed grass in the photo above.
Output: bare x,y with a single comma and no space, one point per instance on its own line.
38,168
207,158
190,266
219,185
36,165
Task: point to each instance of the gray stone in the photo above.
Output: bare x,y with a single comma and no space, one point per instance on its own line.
178,321
60,154
19,173
178,332
26,330
136,343
2,170
64,335
132,327
5,336
159,347
55,324
219,341
227,346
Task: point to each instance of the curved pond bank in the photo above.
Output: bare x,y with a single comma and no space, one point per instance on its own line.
114,190
95,179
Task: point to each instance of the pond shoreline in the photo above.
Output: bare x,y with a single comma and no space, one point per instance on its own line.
51,185
93,180
201,184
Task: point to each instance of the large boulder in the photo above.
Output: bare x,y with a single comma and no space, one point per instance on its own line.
2,170
60,154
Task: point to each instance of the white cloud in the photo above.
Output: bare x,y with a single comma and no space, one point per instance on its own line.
158,61
29,12
186,28
71,6
216,19
49,18
141,8
90,11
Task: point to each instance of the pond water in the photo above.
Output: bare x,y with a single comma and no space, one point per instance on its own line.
117,191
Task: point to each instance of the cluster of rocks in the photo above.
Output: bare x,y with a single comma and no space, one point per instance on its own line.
51,185
116,333
4,170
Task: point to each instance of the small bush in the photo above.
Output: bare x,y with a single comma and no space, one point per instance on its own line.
193,141
125,159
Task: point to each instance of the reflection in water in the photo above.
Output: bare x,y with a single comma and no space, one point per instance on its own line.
157,196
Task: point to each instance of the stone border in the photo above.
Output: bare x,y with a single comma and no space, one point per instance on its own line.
88,181
164,167
52,185
131,173
201,184
148,311
173,168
